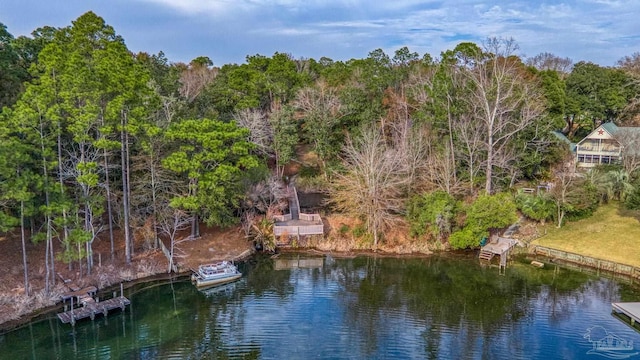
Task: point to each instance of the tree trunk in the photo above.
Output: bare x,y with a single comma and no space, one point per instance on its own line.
60,163
65,228
87,224
451,145
27,291
80,260
87,213
109,209
127,222
47,277
195,227
49,259
154,200
125,192
560,216
489,168
172,238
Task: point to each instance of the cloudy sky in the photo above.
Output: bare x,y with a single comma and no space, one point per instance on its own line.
600,31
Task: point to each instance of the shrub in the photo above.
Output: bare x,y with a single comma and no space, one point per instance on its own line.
309,171
492,212
344,229
432,214
464,238
535,207
487,212
585,202
359,231
632,201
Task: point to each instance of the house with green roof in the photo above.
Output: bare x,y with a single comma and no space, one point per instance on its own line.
602,145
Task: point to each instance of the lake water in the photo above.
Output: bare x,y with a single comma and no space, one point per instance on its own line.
293,307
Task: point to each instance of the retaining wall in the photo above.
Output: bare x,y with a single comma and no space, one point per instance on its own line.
605,265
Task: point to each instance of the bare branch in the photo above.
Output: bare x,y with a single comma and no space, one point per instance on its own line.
194,79
260,130
373,185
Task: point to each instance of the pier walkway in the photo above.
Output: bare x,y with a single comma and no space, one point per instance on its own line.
630,309
86,306
497,246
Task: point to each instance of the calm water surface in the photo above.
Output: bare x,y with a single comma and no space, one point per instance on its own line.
363,308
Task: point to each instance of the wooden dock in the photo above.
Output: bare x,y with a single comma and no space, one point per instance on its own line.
295,224
630,309
90,306
497,246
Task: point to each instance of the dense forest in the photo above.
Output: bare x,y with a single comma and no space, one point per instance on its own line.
97,140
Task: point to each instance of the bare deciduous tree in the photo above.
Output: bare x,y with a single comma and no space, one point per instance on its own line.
630,141
260,130
171,222
441,170
470,134
152,186
82,169
373,184
411,142
549,61
631,65
502,100
268,196
194,79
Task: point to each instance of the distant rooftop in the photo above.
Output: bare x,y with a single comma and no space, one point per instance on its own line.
563,138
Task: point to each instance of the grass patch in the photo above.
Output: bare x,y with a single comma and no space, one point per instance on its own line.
612,233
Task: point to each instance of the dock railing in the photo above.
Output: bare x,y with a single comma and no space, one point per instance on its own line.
293,230
289,225
282,218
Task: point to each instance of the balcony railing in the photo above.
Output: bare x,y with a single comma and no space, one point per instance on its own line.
580,149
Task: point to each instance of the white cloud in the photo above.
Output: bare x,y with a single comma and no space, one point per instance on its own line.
226,30
197,6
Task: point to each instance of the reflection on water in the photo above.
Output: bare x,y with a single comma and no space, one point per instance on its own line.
362,308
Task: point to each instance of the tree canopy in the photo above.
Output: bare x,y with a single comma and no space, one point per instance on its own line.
95,139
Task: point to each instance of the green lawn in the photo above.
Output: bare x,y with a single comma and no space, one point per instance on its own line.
612,233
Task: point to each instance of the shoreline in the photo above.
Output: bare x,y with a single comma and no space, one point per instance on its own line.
183,271
15,324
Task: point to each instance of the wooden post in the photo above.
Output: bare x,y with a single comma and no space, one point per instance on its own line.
73,320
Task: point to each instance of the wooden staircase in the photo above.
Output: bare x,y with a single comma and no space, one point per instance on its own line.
486,255
294,203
